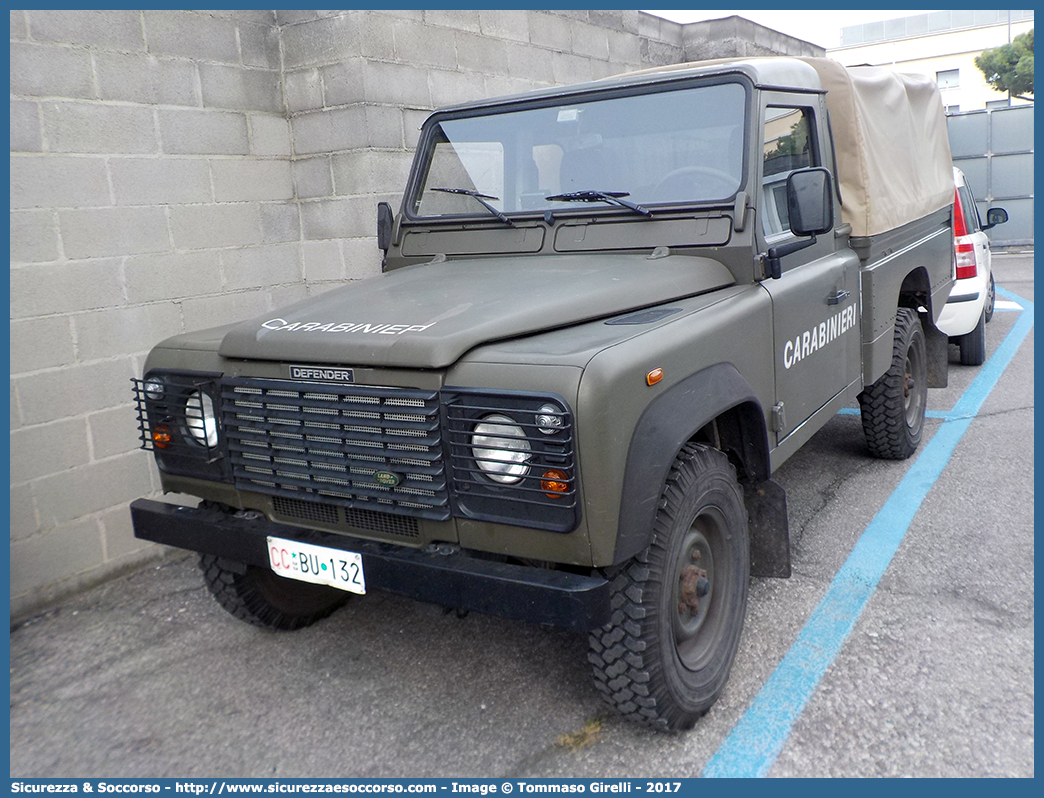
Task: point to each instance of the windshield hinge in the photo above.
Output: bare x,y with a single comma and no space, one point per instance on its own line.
739,212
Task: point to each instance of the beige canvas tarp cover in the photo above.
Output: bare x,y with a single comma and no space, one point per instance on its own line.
893,152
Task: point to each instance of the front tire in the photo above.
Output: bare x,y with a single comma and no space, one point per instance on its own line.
678,606
893,407
991,299
262,598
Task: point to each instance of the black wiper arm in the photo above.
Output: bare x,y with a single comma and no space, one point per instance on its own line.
612,197
467,192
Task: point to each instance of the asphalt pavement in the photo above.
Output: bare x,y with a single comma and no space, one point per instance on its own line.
146,676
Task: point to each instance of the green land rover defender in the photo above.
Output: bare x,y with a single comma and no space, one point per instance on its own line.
607,314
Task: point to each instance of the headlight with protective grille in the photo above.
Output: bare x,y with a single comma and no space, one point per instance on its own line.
201,420
501,449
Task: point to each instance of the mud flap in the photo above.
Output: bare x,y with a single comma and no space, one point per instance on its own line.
937,348
769,532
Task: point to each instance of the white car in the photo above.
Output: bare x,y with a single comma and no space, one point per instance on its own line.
971,300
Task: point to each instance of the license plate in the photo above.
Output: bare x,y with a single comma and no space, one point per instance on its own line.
317,564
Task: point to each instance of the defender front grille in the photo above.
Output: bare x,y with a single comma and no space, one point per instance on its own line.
350,446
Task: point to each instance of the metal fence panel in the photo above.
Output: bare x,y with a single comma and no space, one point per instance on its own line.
994,149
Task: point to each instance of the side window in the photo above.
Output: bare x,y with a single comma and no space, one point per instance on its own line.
971,211
787,146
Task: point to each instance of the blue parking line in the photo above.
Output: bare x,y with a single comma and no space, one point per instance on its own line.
756,740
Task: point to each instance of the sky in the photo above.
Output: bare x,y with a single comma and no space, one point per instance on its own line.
819,26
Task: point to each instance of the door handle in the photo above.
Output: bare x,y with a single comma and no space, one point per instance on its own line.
837,298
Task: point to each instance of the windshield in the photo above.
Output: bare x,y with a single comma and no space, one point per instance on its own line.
677,146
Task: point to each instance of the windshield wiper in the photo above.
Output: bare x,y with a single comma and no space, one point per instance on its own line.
612,197
467,192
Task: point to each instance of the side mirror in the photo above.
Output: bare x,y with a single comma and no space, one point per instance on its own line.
385,221
994,217
810,204
810,200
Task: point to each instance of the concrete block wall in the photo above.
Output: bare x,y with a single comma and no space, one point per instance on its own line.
174,170
151,193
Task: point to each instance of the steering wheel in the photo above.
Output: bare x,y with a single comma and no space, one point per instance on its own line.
685,175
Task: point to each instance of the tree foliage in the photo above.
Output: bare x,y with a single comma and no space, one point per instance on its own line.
1009,67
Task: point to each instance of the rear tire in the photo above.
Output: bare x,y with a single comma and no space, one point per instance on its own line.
678,606
893,407
260,597
973,345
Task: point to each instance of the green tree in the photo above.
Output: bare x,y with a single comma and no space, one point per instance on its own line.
1010,67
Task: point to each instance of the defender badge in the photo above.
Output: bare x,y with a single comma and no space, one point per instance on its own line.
320,374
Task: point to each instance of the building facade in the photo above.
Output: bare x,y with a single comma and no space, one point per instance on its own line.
943,44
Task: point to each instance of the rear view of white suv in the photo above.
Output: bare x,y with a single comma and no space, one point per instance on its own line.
970,304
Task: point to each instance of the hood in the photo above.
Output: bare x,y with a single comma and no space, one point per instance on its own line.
428,315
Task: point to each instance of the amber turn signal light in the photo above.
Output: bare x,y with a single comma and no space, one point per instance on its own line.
161,437
554,483
654,376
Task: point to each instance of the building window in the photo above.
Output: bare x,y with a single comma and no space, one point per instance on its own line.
953,109
948,78
997,104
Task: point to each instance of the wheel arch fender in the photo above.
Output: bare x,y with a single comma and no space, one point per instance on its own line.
717,393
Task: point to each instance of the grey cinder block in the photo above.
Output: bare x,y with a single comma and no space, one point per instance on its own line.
206,226
424,45
160,181
280,222
337,218
479,54
269,135
237,180
240,89
172,275
113,431
96,127
505,24
203,132
146,79
320,41
124,331
18,29
23,512
107,30
312,177
370,171
73,391
451,88
49,449
546,30
101,232
329,131
191,35
48,181
34,236
41,343
457,20
259,45
304,90
590,41
362,259
56,555
25,126
65,287
201,312
322,261
255,267
43,70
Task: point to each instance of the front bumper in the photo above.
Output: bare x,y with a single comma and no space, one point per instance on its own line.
570,601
